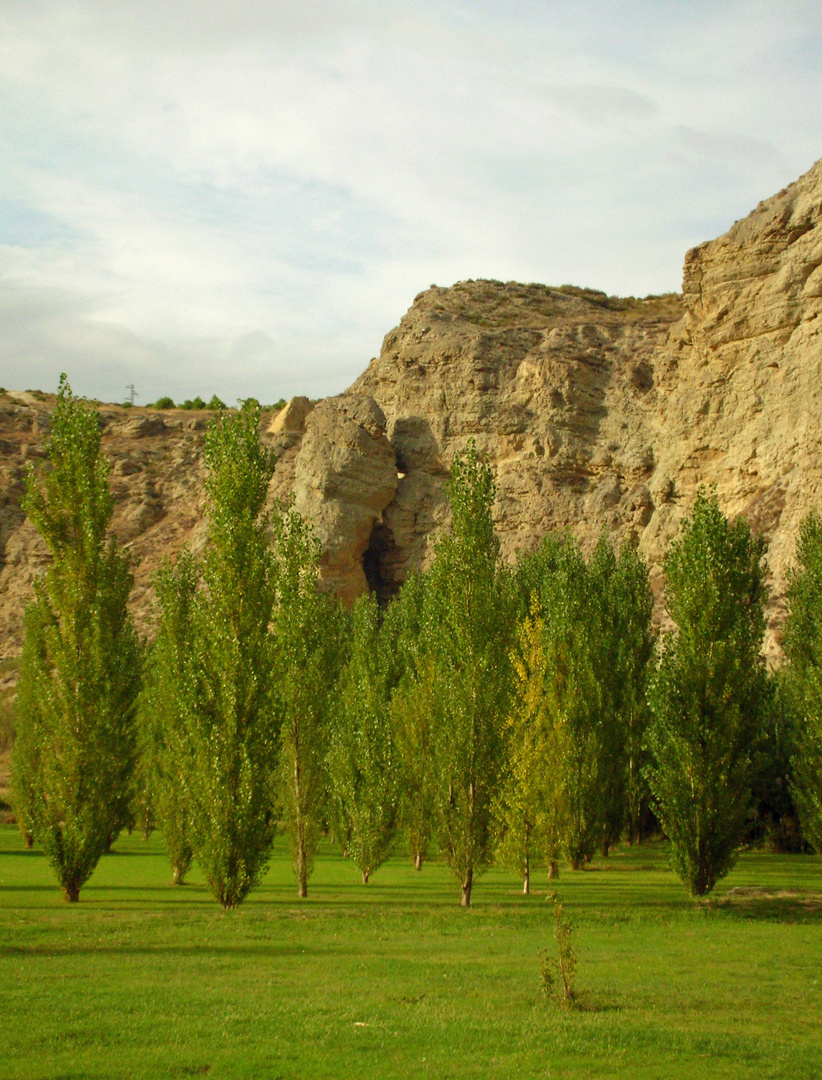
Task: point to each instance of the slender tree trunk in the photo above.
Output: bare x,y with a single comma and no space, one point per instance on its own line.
526,883
418,860
466,887
302,862
302,868
553,868
366,874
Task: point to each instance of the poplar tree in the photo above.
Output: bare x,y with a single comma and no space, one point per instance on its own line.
803,646
707,695
467,624
80,675
530,807
575,698
227,737
304,672
166,709
623,638
362,758
412,706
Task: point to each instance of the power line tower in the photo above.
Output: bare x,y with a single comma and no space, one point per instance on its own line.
132,393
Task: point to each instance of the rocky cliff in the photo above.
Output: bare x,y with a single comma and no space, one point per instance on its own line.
597,412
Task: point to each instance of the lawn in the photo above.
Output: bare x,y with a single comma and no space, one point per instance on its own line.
394,979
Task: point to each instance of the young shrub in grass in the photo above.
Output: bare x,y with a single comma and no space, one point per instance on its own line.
708,694
304,673
74,754
557,964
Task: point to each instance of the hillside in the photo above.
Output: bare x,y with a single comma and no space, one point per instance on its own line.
597,413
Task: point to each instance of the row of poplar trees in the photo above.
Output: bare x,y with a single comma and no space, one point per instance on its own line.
523,713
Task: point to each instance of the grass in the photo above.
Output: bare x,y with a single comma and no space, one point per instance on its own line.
393,979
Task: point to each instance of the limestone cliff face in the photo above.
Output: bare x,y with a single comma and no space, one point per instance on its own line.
596,412
556,388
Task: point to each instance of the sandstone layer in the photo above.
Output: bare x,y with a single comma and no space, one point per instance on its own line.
596,413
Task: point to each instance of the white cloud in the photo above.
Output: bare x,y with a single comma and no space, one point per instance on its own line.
255,192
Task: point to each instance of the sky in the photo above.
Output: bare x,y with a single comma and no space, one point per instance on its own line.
242,197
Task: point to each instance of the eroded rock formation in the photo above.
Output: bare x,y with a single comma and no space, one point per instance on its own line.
597,413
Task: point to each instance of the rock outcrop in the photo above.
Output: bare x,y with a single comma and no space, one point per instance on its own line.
596,412
345,475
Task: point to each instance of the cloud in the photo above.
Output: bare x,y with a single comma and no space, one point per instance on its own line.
202,197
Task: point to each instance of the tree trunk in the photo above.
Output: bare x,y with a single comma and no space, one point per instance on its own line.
302,875
466,888
553,869
418,861
366,874
526,882
178,873
71,891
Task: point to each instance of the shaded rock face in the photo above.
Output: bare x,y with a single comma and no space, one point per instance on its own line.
345,475
597,413
156,480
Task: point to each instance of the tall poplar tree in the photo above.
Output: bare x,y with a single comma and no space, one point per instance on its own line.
468,625
412,707
708,693
227,738
80,674
167,701
803,645
305,667
362,760
530,806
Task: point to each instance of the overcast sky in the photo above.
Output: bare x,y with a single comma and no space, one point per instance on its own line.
244,196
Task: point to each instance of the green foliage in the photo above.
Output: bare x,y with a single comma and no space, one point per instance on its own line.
576,697
228,740
166,711
306,626
362,757
216,404
193,403
557,964
625,641
164,403
467,626
530,806
707,695
577,727
80,673
413,679
803,645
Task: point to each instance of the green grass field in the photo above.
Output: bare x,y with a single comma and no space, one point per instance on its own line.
394,979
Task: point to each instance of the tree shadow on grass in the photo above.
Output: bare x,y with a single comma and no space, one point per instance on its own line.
261,951
769,905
